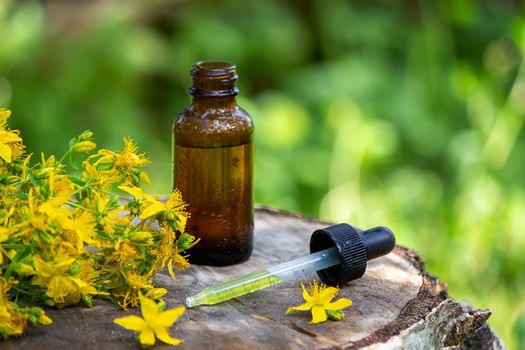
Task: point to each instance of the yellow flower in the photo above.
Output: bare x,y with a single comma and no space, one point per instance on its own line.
128,158
179,262
46,270
17,150
126,251
60,286
122,166
62,189
35,220
135,283
56,214
95,177
65,239
82,228
85,279
318,300
174,206
155,322
7,137
11,321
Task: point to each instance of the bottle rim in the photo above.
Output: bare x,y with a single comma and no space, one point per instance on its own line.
213,78
214,69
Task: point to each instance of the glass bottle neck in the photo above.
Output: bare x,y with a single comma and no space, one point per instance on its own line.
207,88
215,102
214,81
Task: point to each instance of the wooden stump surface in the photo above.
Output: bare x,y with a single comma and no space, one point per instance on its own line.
395,305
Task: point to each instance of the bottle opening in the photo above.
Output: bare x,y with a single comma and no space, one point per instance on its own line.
213,68
213,79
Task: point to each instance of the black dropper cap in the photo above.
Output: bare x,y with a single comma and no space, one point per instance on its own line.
354,248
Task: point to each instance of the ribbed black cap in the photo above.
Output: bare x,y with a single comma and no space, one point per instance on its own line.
352,253
354,249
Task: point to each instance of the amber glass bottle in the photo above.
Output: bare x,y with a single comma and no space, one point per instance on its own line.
212,159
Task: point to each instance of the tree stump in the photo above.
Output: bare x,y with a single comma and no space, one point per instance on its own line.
396,304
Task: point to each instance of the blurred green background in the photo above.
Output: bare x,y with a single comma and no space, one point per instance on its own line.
408,113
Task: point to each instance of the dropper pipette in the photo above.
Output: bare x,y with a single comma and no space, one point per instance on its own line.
339,255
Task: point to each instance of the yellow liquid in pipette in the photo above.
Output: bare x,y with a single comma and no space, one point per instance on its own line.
236,287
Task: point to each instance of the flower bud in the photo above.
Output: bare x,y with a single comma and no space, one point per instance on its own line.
161,305
44,320
336,315
156,293
170,216
88,300
139,236
75,269
86,135
43,173
24,269
84,146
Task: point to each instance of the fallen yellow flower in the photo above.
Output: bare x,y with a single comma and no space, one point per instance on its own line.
318,301
154,324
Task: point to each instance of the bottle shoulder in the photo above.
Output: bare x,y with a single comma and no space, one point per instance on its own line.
213,127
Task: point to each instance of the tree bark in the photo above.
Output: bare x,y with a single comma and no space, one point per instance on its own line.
396,304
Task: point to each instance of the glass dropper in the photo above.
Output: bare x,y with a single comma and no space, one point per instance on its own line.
343,259
264,278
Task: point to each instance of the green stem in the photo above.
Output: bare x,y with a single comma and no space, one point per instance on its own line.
14,246
65,155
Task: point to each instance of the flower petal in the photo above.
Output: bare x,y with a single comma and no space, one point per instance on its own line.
4,114
152,209
169,317
149,308
170,269
306,295
132,190
175,200
339,304
328,294
304,307
318,314
9,136
147,337
133,323
5,152
163,335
